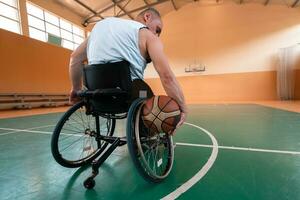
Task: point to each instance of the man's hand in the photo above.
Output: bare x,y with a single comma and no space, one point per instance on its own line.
180,123
73,97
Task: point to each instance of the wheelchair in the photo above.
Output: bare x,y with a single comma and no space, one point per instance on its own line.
85,133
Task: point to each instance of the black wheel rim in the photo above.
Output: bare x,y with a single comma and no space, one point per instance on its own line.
76,135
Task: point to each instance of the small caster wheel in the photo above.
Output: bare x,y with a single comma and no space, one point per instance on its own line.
89,183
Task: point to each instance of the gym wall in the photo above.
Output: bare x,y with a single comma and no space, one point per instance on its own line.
28,65
31,66
225,87
239,44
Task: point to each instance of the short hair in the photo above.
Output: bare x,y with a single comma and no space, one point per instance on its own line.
152,10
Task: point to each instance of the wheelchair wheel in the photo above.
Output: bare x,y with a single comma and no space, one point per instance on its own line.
152,155
75,140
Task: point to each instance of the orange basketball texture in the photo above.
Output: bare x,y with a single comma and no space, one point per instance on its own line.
161,114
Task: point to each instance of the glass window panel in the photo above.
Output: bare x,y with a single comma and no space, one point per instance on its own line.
52,29
51,18
66,35
35,11
8,11
78,39
65,25
78,31
35,22
67,44
37,34
9,25
10,2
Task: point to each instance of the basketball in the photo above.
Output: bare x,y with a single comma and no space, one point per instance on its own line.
161,114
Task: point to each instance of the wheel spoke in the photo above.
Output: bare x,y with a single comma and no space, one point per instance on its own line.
154,152
72,143
76,141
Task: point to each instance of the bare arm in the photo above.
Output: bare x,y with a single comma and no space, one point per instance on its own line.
75,69
167,77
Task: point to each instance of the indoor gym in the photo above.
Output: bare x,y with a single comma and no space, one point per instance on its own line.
238,63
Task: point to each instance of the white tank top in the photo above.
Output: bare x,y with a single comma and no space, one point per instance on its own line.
113,40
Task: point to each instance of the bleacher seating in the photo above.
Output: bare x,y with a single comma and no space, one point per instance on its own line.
32,100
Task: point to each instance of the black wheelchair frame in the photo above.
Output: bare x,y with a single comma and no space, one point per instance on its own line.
111,95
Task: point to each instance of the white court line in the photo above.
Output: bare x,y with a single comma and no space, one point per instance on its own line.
25,130
22,130
187,185
241,148
42,132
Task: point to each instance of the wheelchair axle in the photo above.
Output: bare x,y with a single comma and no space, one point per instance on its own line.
112,139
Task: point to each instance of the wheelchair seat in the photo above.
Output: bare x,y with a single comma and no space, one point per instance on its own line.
108,87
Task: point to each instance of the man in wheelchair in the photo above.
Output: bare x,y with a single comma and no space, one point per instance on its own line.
136,41
117,52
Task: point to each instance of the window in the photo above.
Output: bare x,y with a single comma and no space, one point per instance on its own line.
9,16
42,23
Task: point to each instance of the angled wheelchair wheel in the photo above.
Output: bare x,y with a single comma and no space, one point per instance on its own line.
152,155
75,140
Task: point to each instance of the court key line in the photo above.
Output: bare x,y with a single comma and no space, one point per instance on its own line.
240,148
177,143
196,178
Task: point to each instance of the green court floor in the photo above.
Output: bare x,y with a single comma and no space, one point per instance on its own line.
225,151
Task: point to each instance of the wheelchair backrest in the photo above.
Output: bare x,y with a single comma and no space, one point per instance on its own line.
109,76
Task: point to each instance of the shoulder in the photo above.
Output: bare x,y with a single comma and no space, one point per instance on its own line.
147,35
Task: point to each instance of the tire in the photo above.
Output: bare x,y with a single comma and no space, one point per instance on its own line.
152,155
74,142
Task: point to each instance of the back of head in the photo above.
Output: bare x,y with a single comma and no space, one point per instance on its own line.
150,10
152,19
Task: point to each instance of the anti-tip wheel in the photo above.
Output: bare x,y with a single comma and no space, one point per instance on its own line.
89,183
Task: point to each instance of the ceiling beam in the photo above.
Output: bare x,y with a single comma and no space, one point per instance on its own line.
144,7
122,8
295,3
174,5
86,21
88,8
266,2
145,1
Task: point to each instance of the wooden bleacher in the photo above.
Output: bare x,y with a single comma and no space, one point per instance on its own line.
32,100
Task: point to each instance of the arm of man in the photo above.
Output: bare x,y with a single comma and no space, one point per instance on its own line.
167,77
78,57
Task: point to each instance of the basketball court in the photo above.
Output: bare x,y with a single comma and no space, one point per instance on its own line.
238,63
240,151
